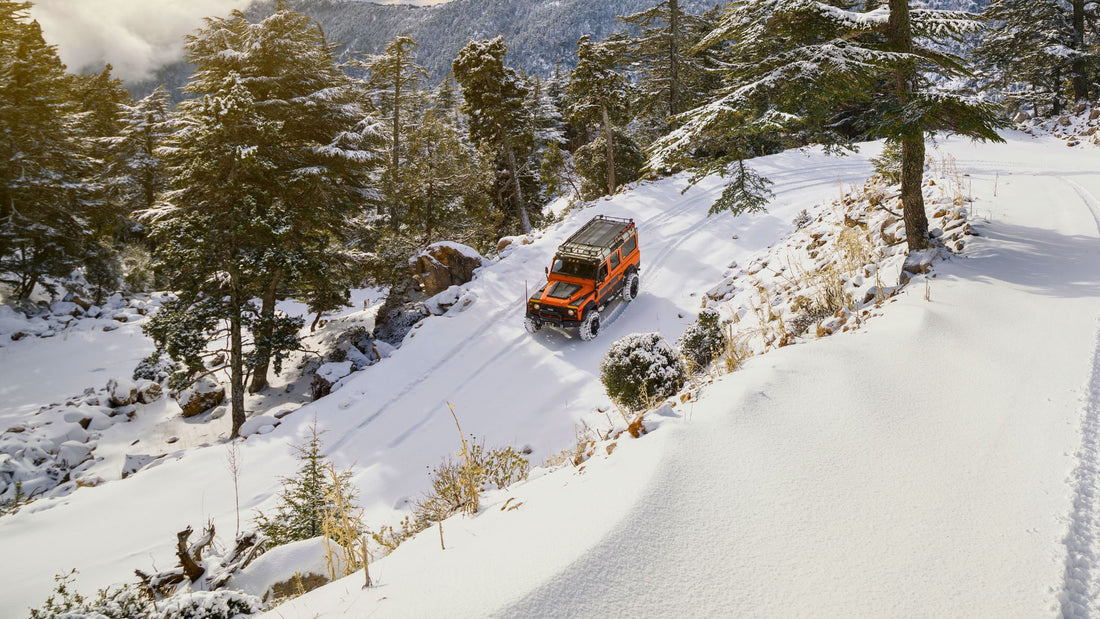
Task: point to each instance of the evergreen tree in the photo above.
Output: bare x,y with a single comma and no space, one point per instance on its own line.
445,184
673,76
102,101
393,86
1032,47
599,97
270,169
825,72
545,101
45,198
137,173
493,100
309,497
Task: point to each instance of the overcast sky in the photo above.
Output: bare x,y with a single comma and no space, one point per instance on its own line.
135,36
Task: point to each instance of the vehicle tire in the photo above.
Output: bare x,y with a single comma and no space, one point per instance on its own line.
530,324
630,287
590,326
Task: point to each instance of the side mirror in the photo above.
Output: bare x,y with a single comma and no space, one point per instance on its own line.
546,270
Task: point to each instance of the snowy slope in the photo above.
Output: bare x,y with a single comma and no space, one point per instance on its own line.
941,461
391,421
928,464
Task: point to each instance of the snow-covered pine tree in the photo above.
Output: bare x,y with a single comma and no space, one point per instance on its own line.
599,100
825,72
445,185
493,101
673,76
308,497
137,174
545,101
1030,50
102,101
327,154
270,170
393,86
45,199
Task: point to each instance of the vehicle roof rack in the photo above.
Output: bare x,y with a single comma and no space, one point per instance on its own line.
597,238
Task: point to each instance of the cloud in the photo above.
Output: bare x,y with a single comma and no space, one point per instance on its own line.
135,36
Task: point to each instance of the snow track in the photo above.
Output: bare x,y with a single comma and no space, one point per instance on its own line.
1079,594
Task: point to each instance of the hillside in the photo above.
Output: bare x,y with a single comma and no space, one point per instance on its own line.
540,35
930,459
940,461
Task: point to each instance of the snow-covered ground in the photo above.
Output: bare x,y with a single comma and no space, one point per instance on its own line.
938,461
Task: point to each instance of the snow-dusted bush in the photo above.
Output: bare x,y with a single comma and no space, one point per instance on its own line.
220,604
156,367
703,340
128,601
640,369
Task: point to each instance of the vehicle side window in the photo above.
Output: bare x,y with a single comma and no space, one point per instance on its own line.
613,261
603,273
630,245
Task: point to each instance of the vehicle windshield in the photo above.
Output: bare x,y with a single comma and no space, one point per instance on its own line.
574,267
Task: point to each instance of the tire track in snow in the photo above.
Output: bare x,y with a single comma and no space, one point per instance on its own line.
1079,587
444,358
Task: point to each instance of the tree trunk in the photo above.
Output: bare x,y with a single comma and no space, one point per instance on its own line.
1056,104
395,148
264,328
900,34
521,208
912,198
1080,69
673,60
236,355
609,140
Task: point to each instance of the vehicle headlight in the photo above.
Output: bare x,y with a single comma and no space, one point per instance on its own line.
572,312
535,305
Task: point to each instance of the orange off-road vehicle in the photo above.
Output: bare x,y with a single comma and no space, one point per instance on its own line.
599,261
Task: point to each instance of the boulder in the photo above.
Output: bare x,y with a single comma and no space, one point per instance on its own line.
445,264
204,395
121,392
149,391
260,424
919,261
328,375
72,453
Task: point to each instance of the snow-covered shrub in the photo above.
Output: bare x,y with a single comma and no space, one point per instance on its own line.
129,600
640,369
220,604
802,219
703,340
156,367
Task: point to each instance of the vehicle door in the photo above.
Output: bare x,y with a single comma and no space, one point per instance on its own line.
608,286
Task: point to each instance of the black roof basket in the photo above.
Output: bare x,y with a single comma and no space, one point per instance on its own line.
597,238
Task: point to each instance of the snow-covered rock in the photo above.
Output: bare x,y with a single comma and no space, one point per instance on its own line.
72,453
205,394
281,564
260,424
121,392
445,264
327,376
